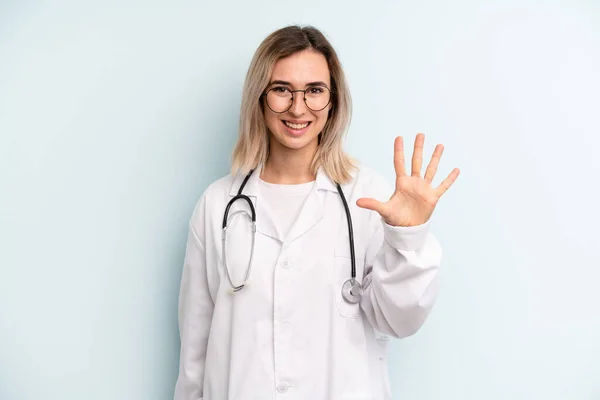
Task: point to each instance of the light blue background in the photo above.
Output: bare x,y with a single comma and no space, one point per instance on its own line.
115,117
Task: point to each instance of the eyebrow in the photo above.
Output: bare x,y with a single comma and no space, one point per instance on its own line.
317,83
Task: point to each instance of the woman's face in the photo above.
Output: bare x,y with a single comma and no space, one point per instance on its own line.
298,128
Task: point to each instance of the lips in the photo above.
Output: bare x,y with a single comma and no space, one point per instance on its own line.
296,126
296,129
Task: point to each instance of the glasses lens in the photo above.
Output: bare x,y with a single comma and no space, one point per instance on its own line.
317,97
279,99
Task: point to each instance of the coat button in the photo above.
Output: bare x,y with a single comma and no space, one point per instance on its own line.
286,264
282,388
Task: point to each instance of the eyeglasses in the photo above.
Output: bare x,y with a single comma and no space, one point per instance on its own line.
281,98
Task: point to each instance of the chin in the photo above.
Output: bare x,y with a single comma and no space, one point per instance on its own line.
308,136
296,143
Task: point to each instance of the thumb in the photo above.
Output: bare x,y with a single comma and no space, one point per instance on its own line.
370,204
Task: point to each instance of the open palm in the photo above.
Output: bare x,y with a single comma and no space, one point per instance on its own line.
414,199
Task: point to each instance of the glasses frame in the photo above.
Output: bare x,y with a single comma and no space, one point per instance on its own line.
292,100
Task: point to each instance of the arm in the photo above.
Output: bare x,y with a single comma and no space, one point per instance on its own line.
401,283
401,278
195,315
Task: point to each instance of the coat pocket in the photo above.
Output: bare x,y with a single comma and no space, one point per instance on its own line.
343,272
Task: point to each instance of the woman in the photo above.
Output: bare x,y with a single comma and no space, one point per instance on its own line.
303,310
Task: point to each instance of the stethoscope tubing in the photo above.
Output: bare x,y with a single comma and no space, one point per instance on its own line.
348,288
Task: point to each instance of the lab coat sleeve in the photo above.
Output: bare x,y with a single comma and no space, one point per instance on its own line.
401,277
195,315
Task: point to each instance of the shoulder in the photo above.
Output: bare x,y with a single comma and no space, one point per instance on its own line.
219,188
371,182
213,196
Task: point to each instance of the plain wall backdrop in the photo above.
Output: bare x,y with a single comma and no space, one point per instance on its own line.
115,116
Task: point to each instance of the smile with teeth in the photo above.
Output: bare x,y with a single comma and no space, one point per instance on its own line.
296,126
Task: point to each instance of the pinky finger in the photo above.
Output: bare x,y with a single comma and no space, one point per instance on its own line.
446,183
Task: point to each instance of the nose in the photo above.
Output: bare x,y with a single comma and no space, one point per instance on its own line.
298,105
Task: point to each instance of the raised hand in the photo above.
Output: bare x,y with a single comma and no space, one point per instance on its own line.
414,199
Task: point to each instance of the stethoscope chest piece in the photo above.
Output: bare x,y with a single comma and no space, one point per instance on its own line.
352,291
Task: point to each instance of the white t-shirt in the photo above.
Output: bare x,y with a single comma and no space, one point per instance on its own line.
284,202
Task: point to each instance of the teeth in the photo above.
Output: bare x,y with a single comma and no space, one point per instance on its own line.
296,126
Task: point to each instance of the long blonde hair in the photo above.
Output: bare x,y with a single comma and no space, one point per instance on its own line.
252,147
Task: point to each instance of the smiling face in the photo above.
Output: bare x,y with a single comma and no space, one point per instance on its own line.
298,128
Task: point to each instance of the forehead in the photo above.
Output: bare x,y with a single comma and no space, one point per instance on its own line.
301,68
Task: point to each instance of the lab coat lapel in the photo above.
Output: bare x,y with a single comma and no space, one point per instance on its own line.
310,214
312,210
264,223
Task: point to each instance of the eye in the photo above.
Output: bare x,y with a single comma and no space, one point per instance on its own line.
279,89
315,90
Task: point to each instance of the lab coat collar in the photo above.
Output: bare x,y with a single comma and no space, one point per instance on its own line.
322,182
251,188
314,206
311,213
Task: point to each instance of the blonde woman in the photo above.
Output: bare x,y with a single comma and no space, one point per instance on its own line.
301,263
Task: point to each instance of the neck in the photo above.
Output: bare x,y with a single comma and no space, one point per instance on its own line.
288,166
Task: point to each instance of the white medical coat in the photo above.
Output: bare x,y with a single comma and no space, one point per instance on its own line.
289,334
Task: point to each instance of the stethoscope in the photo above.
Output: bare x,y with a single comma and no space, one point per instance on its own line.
351,289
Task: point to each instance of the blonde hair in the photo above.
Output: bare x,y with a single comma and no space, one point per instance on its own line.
252,147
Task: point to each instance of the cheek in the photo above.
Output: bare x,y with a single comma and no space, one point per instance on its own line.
271,120
322,118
